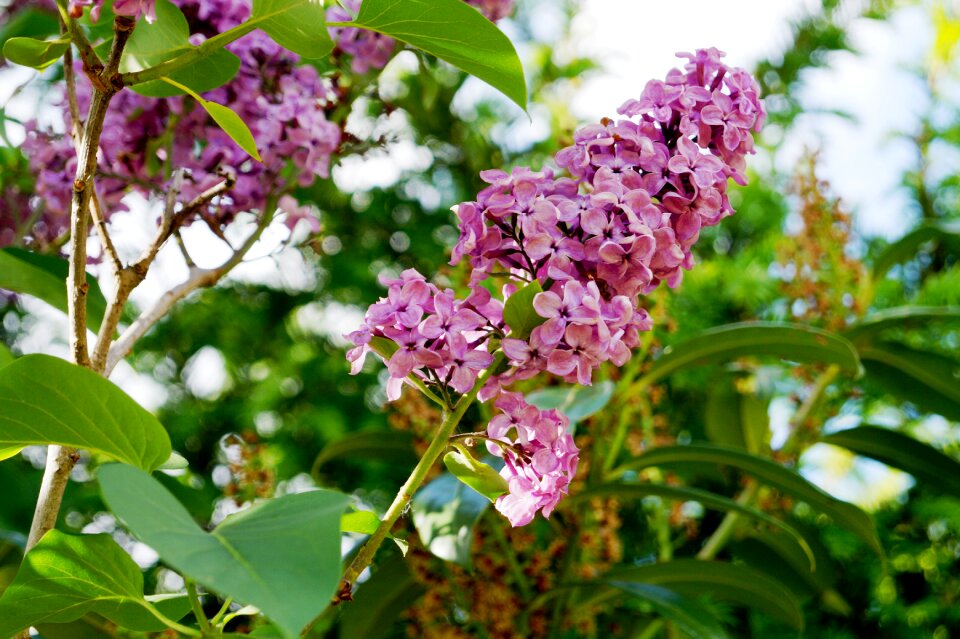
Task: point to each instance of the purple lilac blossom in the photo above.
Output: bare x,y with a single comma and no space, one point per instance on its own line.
539,457
623,221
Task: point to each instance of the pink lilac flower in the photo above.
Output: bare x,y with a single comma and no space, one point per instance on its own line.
540,457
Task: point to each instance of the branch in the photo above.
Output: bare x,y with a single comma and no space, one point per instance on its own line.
62,459
92,64
199,278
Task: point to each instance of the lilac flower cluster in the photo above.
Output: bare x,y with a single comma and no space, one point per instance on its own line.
439,339
538,462
639,191
284,104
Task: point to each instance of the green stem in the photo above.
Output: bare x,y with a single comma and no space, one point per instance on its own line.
197,606
441,440
218,619
652,630
170,623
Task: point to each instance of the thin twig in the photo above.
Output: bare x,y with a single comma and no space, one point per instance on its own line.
198,278
92,65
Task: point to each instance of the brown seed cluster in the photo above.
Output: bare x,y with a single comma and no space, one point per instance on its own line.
252,473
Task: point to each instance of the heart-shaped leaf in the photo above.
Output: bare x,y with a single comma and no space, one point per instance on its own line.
297,25
282,555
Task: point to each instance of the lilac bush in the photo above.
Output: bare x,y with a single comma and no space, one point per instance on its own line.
622,221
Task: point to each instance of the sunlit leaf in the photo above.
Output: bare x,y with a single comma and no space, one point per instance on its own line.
45,400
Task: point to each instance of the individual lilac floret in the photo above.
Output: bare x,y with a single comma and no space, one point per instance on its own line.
440,339
539,457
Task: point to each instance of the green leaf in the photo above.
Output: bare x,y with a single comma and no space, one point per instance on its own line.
361,521
5,355
297,25
65,577
444,514
380,601
45,277
394,447
518,311
945,233
723,581
576,402
939,471
282,555
38,54
791,342
227,119
707,499
29,22
929,380
732,418
899,317
9,451
475,474
771,473
689,616
166,39
452,31
45,400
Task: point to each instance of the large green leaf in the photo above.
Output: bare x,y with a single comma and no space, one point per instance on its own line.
924,462
167,38
379,601
297,25
707,499
518,311
452,31
65,577
723,581
791,342
45,400
444,513
929,380
31,52
576,402
282,556
944,233
45,277
732,418
899,317
689,616
770,473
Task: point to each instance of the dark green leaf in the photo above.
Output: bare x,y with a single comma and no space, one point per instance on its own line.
791,342
929,380
452,31
771,473
475,474
29,22
576,402
38,54
518,311
380,601
394,447
924,462
65,577
722,581
688,615
282,555
945,233
45,400
736,419
165,39
444,513
297,25
707,499
45,277
899,317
